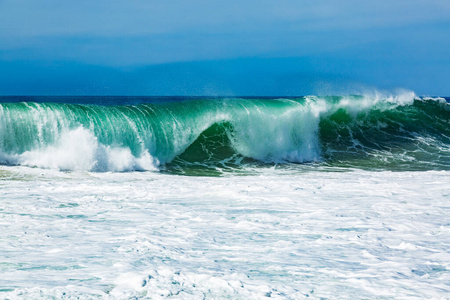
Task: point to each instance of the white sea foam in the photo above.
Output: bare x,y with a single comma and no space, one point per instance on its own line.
279,233
79,150
291,136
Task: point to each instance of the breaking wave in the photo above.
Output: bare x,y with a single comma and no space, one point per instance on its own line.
376,132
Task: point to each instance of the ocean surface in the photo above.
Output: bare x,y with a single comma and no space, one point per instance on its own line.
244,198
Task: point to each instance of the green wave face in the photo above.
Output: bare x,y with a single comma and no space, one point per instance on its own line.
204,135
407,137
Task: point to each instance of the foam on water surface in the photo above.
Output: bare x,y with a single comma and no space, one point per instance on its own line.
320,197
278,233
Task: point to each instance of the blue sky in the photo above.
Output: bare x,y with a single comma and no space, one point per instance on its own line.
60,47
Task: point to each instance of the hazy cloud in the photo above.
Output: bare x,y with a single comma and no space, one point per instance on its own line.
341,37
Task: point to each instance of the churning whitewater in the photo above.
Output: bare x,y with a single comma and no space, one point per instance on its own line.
369,132
310,197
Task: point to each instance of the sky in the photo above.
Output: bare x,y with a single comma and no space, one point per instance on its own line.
199,47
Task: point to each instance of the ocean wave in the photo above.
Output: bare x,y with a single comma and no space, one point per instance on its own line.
374,131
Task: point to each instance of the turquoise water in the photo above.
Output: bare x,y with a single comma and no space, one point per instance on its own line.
202,136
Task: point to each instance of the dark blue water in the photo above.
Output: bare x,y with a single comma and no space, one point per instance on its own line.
125,100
